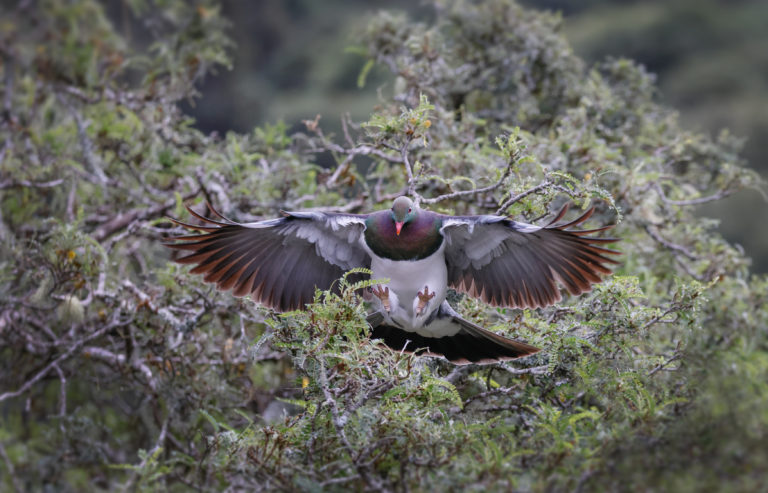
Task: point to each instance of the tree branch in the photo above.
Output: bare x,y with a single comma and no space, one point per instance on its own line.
63,357
339,422
672,246
124,220
700,200
119,360
464,193
17,486
408,167
30,184
522,195
85,141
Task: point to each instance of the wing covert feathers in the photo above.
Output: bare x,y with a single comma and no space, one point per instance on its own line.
525,265
278,262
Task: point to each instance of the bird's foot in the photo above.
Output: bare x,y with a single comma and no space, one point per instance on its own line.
383,295
423,300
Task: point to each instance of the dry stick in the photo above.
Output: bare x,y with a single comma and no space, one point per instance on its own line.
462,193
522,195
672,246
661,366
701,200
344,479
8,63
85,141
124,220
30,184
345,121
660,318
384,387
17,486
71,351
361,150
408,168
340,169
62,392
338,424
490,393
158,446
534,370
457,374
118,360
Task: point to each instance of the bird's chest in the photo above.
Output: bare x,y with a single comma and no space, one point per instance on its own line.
408,277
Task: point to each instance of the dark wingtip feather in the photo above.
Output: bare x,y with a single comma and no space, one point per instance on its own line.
208,219
557,256
218,214
560,214
193,226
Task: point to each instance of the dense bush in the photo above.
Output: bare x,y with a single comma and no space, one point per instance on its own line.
122,370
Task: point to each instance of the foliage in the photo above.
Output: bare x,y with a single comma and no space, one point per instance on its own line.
122,370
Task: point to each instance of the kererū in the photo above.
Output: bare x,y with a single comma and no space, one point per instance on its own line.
280,262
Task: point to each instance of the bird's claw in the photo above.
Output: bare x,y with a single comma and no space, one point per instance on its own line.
424,299
383,295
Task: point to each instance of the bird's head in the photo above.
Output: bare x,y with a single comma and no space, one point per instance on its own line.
403,212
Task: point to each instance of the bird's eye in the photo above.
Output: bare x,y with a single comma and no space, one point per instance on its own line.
409,211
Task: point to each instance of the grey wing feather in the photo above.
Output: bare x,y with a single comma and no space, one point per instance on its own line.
509,263
279,262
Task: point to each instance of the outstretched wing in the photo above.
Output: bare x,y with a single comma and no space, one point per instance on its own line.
508,263
279,262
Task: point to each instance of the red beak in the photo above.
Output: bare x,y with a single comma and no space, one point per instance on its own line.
398,227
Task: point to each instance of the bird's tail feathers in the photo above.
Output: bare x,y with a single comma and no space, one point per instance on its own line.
471,344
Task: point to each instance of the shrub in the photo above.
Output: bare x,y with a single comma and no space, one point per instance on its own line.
120,369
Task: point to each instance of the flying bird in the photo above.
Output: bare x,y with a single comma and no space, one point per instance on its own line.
279,263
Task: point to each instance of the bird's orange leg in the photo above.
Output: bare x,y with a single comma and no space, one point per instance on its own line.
424,299
383,295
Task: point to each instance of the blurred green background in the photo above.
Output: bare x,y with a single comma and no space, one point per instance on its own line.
292,62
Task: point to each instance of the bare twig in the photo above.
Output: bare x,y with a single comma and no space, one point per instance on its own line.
345,121
522,195
159,444
408,167
63,357
700,200
464,193
62,392
125,219
534,370
341,480
662,365
457,374
339,422
8,119
30,184
489,393
9,69
361,150
17,486
660,318
85,141
672,246
119,360
340,170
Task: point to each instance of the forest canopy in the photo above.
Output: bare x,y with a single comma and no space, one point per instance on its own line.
121,370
